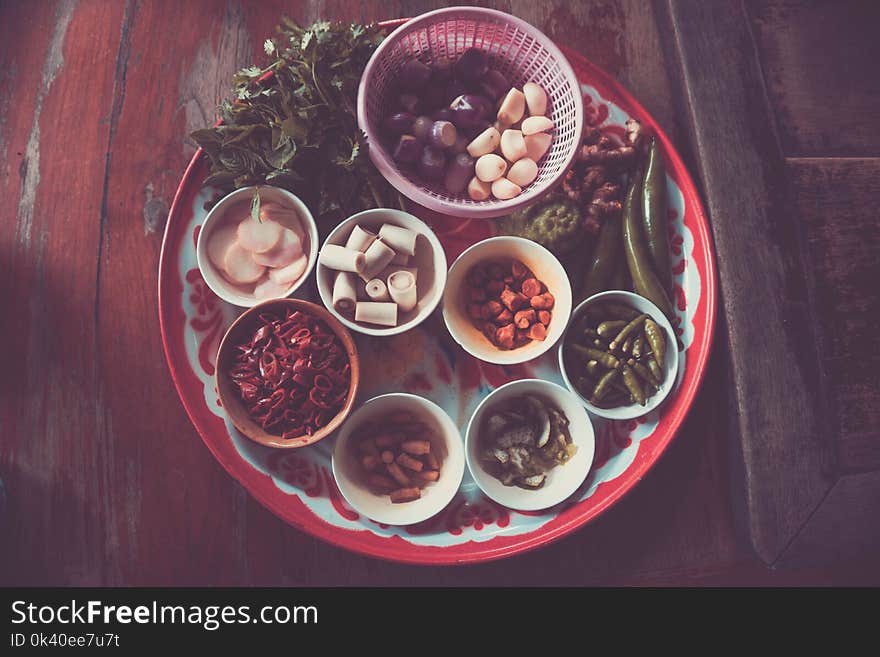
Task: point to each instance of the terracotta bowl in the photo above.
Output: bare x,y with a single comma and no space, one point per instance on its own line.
238,332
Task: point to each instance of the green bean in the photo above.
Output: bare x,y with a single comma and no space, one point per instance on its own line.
654,334
638,258
593,367
600,344
590,332
627,345
604,384
603,357
631,381
610,327
634,325
654,217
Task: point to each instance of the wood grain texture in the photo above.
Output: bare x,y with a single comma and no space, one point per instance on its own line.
766,285
108,482
837,199
819,59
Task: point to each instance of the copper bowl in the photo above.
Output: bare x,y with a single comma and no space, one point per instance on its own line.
241,330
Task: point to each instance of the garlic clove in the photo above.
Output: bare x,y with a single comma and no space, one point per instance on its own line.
490,167
485,142
537,145
536,99
479,190
523,172
513,146
503,189
535,124
512,107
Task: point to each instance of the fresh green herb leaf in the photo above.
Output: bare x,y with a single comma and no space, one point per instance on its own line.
298,129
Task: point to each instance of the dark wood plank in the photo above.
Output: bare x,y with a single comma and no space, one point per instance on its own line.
765,280
171,479
836,199
819,60
843,528
53,463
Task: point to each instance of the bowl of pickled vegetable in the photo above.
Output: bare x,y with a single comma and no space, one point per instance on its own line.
529,444
619,355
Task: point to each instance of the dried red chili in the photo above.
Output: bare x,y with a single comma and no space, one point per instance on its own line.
293,374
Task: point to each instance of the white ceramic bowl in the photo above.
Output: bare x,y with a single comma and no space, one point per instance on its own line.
430,259
670,368
435,496
546,269
563,480
215,280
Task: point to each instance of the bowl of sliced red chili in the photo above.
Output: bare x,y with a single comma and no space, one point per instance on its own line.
287,373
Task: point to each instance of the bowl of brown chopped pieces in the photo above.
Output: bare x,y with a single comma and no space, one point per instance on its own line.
399,459
507,300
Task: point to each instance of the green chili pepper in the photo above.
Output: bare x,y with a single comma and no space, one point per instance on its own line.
656,370
631,381
617,384
655,338
646,375
602,357
603,386
605,258
633,326
610,327
638,258
619,311
654,217
637,346
584,385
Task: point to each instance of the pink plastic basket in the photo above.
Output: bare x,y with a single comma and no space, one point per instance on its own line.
519,51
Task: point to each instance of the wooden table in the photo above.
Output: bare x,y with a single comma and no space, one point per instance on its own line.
773,105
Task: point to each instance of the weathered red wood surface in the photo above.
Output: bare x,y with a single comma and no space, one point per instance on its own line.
108,483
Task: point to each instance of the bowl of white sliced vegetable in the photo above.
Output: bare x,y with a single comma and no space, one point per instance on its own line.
381,272
256,244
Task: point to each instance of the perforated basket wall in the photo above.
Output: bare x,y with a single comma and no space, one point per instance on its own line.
519,51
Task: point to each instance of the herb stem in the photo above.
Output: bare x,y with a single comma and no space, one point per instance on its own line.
318,87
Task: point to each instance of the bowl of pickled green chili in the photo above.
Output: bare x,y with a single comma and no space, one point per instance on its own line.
619,355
